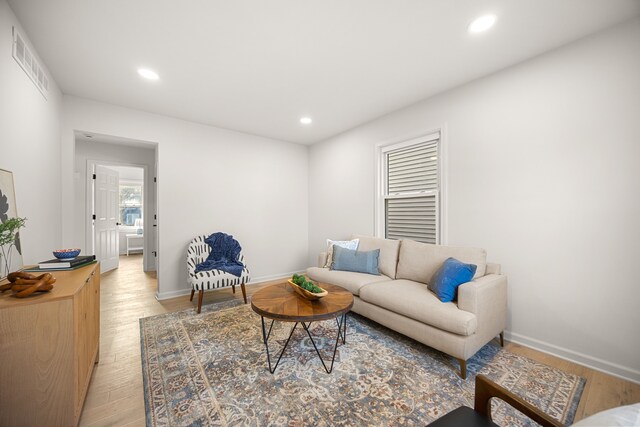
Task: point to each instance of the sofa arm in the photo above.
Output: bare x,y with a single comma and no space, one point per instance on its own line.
486,297
322,259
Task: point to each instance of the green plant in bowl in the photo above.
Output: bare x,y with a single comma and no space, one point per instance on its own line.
304,283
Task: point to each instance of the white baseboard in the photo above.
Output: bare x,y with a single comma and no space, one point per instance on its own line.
254,281
601,365
172,294
262,279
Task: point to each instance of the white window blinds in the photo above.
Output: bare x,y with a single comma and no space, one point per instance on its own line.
412,218
412,187
413,169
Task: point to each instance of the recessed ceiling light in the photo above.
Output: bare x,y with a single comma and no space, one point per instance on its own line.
306,120
148,74
482,23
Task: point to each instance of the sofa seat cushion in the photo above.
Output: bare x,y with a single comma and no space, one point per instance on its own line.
419,261
349,280
416,301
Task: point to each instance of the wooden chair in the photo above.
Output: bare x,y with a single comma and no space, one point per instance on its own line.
480,415
197,252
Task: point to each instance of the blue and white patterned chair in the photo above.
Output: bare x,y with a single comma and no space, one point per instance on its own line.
197,252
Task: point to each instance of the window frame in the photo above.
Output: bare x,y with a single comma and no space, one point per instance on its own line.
381,196
129,182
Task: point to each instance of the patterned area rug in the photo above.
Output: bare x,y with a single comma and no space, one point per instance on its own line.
211,369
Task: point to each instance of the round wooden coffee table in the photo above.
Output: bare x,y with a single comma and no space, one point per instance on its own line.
280,302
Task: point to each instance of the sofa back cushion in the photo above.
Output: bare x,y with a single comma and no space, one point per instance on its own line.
419,261
388,258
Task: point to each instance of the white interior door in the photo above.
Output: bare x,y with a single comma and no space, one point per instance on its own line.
106,211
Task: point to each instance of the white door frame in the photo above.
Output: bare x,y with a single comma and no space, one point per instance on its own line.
89,235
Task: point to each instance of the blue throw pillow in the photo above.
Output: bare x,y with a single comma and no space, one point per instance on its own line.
352,260
452,274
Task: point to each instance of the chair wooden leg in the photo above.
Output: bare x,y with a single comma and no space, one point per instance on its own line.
193,291
463,369
502,339
487,389
244,292
233,288
200,295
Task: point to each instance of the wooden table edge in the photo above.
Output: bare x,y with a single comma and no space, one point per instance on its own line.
297,318
304,318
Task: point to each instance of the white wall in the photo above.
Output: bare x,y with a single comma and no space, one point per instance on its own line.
109,154
209,179
30,146
543,172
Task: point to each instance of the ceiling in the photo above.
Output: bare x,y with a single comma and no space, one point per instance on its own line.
258,66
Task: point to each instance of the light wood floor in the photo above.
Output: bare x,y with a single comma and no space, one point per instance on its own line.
115,395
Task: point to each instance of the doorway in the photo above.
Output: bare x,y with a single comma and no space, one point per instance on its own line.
118,206
118,200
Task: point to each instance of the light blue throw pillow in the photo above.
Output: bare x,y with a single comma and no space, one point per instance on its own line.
360,262
349,244
452,274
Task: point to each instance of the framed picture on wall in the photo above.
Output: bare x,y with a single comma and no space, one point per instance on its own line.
11,250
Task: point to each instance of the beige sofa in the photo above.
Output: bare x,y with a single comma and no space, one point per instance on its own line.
399,299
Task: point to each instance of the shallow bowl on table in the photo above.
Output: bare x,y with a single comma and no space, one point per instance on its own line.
305,293
66,254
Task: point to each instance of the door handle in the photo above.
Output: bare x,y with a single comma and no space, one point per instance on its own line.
117,223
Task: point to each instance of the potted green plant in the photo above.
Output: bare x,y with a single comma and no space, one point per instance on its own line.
8,240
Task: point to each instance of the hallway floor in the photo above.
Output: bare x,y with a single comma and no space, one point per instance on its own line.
115,396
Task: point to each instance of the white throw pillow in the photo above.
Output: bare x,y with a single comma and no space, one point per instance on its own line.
347,244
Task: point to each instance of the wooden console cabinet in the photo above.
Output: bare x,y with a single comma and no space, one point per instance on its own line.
48,346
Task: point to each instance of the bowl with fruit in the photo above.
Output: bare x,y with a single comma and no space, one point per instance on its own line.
306,288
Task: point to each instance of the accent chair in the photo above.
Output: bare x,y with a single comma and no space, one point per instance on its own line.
197,252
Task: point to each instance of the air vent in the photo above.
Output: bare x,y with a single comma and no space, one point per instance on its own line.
29,63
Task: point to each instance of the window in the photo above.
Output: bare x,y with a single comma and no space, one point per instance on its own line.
409,197
130,203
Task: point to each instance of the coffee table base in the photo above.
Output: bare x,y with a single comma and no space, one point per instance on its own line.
341,321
